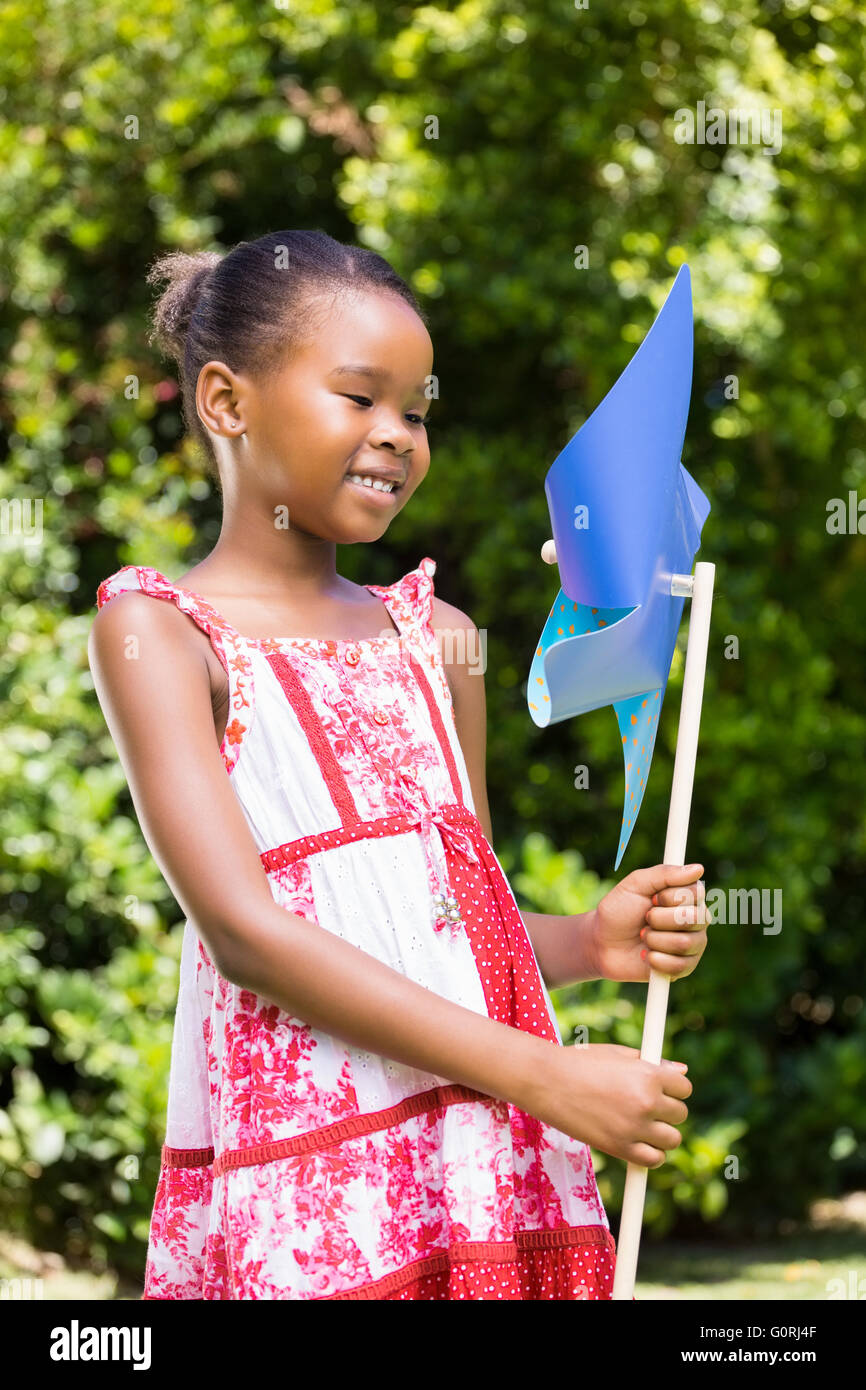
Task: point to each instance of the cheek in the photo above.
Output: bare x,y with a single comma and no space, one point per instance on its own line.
305,416
411,487
421,463
422,475
311,443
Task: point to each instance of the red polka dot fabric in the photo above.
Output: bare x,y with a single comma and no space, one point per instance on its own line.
539,1275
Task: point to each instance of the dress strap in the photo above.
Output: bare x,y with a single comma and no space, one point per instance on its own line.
410,603
227,642
410,600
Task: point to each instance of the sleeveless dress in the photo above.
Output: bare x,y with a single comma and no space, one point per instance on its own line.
296,1166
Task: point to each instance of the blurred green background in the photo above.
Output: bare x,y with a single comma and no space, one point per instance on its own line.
476,146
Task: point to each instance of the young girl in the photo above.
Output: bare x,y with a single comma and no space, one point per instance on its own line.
369,1096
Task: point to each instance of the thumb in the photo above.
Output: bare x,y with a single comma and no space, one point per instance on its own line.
658,876
685,872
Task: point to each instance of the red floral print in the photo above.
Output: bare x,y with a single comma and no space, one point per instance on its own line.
297,1166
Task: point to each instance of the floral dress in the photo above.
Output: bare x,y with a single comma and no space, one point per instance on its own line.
295,1165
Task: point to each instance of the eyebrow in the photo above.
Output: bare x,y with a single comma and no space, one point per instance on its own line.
363,369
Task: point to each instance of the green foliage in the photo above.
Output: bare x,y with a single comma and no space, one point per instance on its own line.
555,130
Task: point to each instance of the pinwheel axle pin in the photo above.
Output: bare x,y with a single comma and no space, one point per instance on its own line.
682,585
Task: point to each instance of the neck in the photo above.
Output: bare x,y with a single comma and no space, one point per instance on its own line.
273,560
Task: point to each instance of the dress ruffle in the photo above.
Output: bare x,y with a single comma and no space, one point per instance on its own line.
556,1265
583,1272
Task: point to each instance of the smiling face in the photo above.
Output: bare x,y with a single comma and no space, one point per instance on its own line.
350,399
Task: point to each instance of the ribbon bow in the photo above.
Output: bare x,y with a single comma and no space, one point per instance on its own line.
446,908
436,827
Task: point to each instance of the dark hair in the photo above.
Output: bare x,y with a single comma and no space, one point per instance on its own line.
253,307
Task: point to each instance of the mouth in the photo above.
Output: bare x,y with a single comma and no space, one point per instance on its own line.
379,493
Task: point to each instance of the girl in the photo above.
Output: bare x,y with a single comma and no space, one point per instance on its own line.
369,1096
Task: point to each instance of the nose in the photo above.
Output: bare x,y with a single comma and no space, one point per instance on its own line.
394,435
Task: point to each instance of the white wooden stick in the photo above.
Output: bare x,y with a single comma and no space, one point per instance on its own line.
675,853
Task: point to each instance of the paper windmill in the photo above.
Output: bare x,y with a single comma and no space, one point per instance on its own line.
626,516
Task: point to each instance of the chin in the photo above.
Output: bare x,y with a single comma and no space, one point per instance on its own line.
359,534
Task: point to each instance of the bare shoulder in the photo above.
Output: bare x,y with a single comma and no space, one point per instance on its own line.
135,623
460,644
137,608
445,615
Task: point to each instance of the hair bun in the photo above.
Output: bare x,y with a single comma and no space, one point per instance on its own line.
186,275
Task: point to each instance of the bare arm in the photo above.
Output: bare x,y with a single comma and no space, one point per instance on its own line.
153,686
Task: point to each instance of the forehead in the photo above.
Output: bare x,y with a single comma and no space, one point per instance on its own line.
380,333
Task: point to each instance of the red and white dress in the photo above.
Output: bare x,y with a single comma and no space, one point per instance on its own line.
296,1166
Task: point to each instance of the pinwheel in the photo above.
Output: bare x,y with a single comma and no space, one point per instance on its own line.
627,520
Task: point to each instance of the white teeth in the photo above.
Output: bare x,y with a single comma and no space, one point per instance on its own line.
367,481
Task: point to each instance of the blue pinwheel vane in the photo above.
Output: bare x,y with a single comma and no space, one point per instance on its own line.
627,520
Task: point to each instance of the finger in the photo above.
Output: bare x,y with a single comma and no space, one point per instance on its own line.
645,1156
677,943
676,897
678,918
681,914
672,967
686,894
664,1135
660,876
671,1111
677,1084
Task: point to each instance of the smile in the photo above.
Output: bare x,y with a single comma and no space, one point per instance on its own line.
378,490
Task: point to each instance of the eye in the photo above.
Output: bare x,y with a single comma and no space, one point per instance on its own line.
416,419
